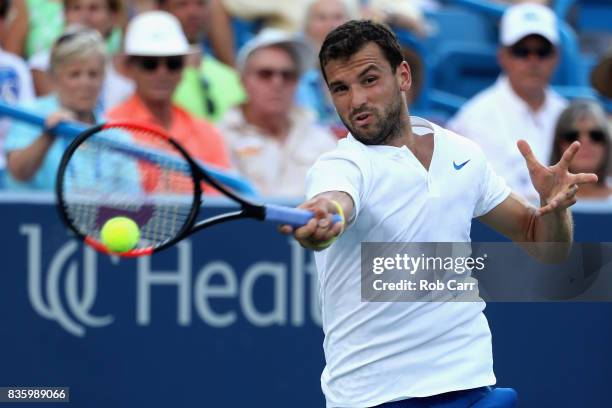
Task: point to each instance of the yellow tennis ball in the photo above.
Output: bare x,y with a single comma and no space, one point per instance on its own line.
120,234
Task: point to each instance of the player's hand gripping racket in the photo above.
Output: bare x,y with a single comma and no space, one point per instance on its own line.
137,171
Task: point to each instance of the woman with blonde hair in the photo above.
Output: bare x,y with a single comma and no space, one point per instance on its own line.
77,68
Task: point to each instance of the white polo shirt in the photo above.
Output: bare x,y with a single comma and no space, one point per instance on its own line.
277,169
15,88
497,118
380,352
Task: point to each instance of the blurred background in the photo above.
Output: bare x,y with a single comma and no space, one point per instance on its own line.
230,317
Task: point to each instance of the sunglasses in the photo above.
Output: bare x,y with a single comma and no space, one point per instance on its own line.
596,135
266,74
151,64
523,52
65,38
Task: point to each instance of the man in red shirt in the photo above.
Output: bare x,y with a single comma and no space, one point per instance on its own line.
156,49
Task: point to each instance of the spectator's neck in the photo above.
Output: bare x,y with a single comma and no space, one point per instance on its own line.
534,98
160,110
85,117
277,126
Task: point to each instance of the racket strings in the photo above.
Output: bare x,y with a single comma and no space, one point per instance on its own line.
131,172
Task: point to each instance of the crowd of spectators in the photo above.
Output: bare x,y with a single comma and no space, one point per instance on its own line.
261,108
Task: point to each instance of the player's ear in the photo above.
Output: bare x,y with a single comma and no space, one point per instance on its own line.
404,76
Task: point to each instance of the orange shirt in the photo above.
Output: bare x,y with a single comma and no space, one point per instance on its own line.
199,138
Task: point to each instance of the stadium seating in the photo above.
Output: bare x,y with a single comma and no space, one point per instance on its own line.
459,54
594,15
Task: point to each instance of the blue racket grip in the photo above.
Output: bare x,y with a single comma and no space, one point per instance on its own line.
293,216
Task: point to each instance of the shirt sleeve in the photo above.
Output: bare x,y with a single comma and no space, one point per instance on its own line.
493,191
335,171
26,94
20,135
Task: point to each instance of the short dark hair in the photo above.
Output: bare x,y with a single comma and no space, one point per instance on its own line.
5,5
349,38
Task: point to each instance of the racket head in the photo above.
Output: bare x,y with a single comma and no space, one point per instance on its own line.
134,170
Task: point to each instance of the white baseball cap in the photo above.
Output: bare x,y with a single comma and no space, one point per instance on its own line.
269,37
155,34
527,19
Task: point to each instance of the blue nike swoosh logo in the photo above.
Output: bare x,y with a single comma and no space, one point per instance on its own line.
460,166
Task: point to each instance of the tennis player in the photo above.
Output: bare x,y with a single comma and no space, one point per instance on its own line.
398,178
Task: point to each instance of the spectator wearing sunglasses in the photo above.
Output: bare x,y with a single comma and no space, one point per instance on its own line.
156,49
585,121
272,141
521,104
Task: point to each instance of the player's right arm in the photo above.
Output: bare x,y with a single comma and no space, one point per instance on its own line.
334,185
320,232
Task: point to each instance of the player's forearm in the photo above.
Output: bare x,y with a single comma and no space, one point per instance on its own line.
552,235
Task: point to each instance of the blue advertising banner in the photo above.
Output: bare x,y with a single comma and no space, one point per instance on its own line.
229,318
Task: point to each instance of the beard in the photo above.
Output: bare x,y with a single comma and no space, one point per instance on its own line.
385,127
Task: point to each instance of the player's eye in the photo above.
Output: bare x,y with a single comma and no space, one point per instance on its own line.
370,79
338,89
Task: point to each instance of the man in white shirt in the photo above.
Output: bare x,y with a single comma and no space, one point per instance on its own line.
15,83
272,141
520,105
397,178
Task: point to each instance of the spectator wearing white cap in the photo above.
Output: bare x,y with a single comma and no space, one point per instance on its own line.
521,104
272,141
156,49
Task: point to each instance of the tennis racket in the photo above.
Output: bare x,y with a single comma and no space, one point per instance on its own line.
70,130
138,171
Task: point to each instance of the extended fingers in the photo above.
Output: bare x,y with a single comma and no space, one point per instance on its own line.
584,178
285,229
568,155
306,231
528,155
59,116
562,200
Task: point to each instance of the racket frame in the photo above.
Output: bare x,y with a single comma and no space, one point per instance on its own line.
247,209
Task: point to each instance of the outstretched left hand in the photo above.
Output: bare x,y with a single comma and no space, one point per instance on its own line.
556,186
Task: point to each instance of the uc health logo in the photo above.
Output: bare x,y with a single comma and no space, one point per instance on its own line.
63,275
